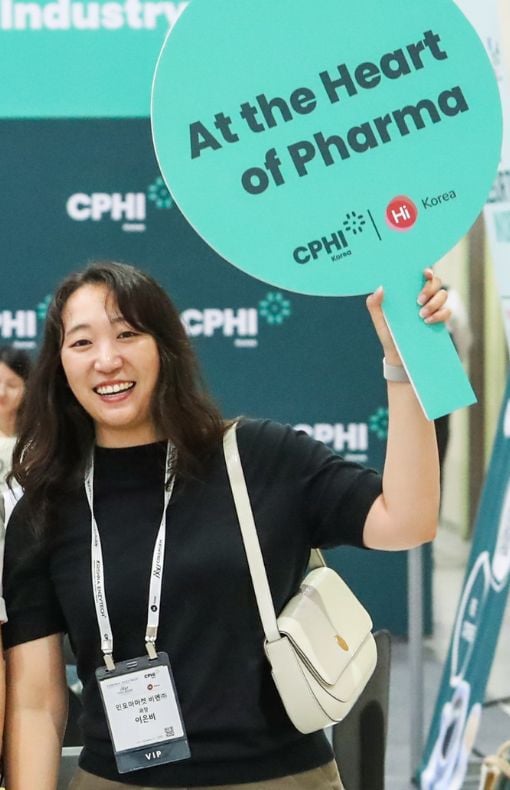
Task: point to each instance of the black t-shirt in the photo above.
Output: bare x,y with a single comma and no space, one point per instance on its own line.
302,495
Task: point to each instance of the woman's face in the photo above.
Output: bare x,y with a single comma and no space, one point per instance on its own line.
111,368
12,389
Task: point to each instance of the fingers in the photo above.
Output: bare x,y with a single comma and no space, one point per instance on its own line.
375,299
439,317
432,286
374,305
435,310
433,298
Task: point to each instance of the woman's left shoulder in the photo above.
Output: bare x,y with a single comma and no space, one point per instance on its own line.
267,439
263,431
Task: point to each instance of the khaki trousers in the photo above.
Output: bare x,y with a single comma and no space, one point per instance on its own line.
324,778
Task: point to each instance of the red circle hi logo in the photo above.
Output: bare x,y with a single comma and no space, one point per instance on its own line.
401,213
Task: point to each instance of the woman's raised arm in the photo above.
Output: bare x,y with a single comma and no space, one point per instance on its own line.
406,513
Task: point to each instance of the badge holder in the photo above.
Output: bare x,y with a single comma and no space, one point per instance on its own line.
143,712
138,695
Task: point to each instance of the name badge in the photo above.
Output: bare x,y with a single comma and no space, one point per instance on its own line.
143,713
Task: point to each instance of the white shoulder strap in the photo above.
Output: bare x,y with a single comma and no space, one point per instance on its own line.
249,534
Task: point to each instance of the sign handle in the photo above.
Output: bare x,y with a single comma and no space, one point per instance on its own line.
427,351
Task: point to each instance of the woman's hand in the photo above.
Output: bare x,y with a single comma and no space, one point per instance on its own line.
431,305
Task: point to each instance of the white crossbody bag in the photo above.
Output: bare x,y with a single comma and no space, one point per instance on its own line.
320,648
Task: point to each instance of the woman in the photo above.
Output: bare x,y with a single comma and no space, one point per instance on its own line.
116,379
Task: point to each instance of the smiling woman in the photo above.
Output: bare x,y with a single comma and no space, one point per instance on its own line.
116,369
127,534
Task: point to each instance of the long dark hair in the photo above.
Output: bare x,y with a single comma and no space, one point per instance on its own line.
56,434
20,363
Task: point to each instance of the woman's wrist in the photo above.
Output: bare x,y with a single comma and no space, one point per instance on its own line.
390,353
392,357
394,372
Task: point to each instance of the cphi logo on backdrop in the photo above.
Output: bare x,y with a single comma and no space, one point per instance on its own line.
73,14
20,327
351,439
129,209
241,324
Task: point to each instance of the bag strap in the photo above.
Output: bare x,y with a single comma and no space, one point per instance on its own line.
316,561
249,535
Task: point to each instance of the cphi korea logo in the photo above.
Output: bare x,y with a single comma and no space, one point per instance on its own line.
129,209
338,243
240,324
20,327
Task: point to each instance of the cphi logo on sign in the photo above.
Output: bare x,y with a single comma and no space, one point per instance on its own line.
242,323
69,15
20,327
129,208
337,243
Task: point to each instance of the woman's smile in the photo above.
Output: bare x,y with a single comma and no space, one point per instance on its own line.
113,391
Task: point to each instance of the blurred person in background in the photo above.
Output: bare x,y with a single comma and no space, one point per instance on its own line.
14,370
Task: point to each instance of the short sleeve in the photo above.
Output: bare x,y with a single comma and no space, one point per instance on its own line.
330,495
337,494
32,608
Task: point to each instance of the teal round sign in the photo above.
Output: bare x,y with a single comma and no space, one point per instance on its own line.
327,148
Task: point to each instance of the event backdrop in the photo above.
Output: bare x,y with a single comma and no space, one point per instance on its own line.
74,190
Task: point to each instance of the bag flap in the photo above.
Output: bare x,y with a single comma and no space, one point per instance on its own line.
326,624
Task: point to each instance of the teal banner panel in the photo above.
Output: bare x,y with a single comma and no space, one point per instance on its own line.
476,629
80,58
92,189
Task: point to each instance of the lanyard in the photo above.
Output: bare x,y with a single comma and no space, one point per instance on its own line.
103,618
